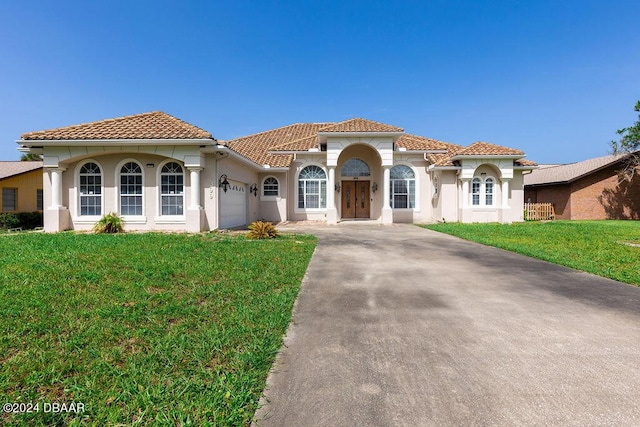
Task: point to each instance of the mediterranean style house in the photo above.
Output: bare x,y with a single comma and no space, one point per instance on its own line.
161,173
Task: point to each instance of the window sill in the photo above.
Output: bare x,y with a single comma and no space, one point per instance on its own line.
170,219
270,198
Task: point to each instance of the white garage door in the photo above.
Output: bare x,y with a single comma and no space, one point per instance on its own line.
233,205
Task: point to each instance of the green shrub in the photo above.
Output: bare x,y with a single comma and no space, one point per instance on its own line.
262,230
9,220
109,223
30,220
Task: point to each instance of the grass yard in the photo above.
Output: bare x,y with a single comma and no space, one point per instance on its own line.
593,246
143,329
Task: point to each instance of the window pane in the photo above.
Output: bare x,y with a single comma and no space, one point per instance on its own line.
9,196
39,200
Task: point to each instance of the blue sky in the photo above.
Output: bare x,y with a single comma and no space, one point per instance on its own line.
553,78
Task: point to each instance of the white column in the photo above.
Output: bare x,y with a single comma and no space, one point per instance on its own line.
331,192
465,192
195,188
56,188
386,185
387,213
505,194
332,211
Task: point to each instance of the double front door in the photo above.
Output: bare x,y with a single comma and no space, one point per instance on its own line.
355,199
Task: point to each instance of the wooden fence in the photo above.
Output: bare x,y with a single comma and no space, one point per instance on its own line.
539,211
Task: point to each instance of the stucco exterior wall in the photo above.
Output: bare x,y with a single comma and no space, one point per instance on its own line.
26,185
272,208
110,166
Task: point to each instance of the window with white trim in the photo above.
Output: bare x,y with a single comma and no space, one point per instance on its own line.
131,189
90,190
172,189
475,191
403,187
355,167
488,192
270,187
312,188
482,191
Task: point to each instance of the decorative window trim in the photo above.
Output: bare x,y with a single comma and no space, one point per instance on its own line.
416,189
264,197
79,218
363,173
160,218
482,192
435,182
118,173
297,208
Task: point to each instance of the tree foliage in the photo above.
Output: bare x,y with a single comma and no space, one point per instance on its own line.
28,157
629,144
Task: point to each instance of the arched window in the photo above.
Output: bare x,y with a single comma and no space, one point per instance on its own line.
312,188
475,191
403,187
90,189
172,189
488,192
482,190
270,187
355,167
131,189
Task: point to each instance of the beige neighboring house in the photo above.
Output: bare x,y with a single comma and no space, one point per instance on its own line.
161,173
21,187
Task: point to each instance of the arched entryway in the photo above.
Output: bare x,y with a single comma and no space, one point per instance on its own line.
358,176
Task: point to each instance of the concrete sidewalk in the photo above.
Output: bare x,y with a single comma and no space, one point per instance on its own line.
397,325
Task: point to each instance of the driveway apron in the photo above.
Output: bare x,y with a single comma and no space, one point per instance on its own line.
398,325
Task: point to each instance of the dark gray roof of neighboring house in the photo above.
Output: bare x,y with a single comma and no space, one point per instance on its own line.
558,174
8,169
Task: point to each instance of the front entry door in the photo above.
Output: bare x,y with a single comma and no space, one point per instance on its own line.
355,199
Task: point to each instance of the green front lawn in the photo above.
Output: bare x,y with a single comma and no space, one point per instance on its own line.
144,329
598,247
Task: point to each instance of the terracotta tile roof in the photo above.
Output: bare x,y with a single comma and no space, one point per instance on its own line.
487,149
361,125
524,162
8,169
153,125
415,142
445,159
557,174
257,146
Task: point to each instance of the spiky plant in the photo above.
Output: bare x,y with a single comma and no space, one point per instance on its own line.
262,230
109,223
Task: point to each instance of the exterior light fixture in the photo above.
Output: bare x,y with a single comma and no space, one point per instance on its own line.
337,187
223,182
374,187
254,189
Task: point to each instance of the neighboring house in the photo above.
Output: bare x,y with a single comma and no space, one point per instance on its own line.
161,173
21,186
590,189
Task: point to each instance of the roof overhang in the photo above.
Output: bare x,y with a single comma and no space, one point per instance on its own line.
443,168
36,143
487,156
323,136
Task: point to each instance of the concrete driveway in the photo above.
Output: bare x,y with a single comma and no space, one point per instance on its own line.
397,325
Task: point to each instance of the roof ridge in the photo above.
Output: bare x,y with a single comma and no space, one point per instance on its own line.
275,129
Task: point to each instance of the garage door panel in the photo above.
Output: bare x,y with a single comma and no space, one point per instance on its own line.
233,205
